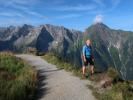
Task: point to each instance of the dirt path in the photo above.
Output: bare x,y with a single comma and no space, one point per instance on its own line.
57,84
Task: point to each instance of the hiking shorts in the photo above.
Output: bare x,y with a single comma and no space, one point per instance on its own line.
88,61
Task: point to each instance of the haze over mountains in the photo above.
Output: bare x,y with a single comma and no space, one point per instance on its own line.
111,48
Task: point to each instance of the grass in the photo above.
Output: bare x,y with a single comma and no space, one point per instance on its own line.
17,79
119,90
51,58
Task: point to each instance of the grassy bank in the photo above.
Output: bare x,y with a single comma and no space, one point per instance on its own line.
17,79
113,87
51,58
118,91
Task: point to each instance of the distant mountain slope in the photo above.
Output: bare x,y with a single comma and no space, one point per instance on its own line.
57,39
44,37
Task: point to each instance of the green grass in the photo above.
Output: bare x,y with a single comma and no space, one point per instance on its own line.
51,58
17,79
119,91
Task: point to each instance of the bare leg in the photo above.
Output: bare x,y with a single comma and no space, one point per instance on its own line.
92,69
83,70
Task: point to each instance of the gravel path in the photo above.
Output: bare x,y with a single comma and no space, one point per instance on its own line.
57,84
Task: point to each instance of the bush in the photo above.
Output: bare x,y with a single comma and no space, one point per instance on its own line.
17,79
112,73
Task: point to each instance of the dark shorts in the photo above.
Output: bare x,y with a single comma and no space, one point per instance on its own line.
88,61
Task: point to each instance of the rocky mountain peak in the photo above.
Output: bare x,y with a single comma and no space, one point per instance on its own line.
99,27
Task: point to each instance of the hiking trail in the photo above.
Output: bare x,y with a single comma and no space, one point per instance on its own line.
57,84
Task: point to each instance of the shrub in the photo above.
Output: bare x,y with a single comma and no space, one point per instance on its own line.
113,73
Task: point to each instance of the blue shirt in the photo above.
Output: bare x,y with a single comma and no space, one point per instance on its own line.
87,51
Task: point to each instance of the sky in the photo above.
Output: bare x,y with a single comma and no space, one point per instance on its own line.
73,14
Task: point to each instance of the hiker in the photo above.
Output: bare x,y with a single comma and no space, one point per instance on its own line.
87,57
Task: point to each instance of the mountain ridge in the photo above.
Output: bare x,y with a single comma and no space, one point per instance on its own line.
112,48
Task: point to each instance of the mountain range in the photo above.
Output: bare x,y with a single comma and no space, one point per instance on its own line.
111,48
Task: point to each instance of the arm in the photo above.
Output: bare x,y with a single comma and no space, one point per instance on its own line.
83,54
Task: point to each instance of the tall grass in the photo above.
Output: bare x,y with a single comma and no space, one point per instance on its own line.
17,79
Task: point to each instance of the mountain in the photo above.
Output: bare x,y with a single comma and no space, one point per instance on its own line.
44,38
112,48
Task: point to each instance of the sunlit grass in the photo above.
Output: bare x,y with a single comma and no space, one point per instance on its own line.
17,79
51,58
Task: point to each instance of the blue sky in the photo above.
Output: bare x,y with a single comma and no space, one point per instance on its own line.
74,14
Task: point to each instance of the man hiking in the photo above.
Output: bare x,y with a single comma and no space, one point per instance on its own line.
87,58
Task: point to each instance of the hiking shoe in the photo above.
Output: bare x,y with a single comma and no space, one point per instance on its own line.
83,76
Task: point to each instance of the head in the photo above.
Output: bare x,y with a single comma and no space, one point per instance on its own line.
88,42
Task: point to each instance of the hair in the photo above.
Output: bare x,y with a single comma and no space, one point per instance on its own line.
89,40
